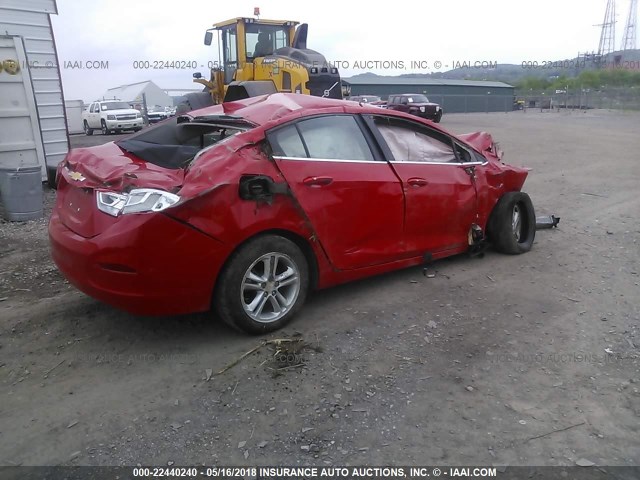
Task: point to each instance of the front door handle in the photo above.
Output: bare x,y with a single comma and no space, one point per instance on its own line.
417,182
317,181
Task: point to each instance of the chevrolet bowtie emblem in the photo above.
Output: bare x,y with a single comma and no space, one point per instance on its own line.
77,176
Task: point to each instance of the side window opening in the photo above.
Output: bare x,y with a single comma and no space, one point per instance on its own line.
335,137
463,154
331,137
286,142
411,142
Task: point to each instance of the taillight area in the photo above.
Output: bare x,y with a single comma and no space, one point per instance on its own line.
139,200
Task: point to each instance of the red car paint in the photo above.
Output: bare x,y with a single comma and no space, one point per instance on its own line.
364,220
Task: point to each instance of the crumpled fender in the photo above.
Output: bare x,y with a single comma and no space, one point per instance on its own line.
481,141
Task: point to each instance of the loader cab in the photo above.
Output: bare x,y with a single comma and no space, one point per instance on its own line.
263,40
258,57
241,40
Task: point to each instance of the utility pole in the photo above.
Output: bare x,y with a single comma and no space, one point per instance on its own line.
145,113
629,36
608,33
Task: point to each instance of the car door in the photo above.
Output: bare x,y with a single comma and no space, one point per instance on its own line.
403,104
94,116
88,114
440,195
349,193
391,103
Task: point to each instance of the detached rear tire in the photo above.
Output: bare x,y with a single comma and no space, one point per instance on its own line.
263,285
512,225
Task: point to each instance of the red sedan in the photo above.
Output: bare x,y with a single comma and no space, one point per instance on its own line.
246,207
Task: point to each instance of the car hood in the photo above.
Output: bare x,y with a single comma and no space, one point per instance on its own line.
108,166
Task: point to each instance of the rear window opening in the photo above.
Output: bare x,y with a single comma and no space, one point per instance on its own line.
174,143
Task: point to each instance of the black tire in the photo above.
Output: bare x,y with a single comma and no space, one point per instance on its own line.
438,117
137,129
51,178
231,297
194,101
507,235
105,130
87,130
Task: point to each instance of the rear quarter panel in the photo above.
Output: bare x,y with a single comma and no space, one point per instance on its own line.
213,205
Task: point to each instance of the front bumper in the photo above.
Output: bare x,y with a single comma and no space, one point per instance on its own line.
156,119
124,124
429,115
145,264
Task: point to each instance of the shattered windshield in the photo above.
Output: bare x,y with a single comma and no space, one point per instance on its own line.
173,144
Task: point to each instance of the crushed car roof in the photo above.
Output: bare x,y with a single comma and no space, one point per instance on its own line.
267,108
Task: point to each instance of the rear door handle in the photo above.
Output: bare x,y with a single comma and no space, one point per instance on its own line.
417,182
317,181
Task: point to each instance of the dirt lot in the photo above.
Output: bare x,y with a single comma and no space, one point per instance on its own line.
505,360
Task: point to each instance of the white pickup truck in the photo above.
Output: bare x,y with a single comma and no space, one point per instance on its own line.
111,116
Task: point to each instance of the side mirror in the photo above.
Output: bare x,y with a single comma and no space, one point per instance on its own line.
197,75
208,37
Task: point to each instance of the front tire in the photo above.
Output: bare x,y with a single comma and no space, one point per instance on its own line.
105,130
438,117
263,285
87,130
512,225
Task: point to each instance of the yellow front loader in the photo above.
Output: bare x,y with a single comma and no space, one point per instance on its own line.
257,57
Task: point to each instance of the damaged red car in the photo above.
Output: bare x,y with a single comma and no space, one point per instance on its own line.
246,207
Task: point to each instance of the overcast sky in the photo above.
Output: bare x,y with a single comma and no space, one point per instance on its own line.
124,31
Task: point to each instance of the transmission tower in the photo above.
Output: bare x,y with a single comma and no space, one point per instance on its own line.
629,37
608,35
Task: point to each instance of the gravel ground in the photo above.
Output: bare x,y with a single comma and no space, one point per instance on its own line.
505,360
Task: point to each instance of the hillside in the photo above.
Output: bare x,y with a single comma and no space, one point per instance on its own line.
516,74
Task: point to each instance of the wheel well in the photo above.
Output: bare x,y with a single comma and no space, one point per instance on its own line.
300,241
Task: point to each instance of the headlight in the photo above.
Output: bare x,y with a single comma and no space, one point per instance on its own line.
111,117
422,109
138,115
437,109
139,200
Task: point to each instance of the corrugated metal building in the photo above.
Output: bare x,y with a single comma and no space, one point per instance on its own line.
32,95
132,94
454,96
